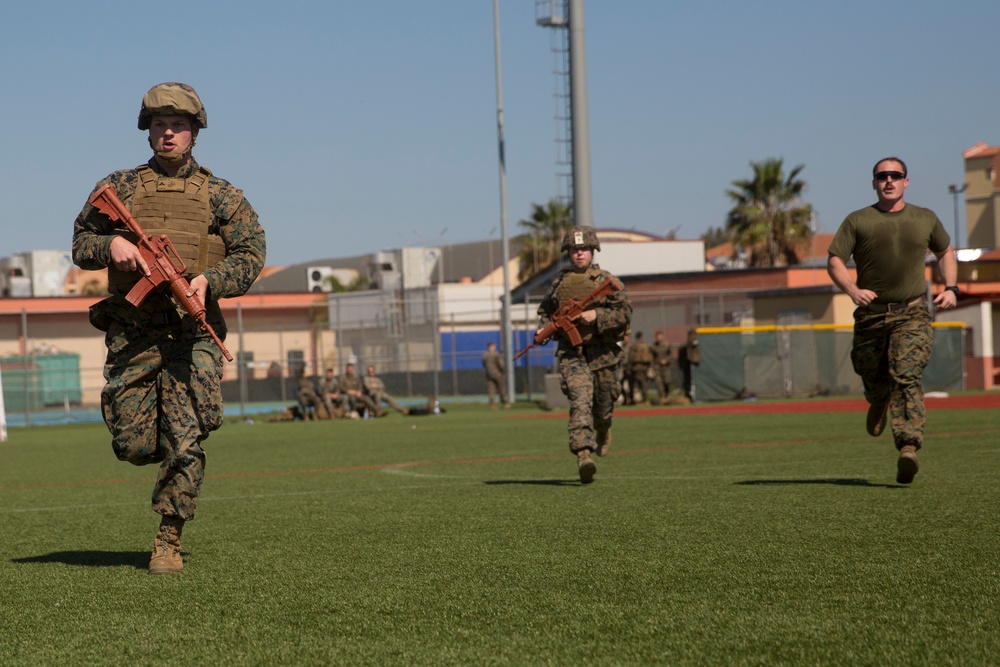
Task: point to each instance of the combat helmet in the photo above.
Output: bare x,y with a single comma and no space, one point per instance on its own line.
580,237
172,98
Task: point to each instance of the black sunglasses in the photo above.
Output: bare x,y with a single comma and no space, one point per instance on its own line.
884,176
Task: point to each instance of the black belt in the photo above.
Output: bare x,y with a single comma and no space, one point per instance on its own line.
889,307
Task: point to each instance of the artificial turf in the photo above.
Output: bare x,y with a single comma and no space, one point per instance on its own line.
466,539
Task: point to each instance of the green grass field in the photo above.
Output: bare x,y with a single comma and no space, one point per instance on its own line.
466,539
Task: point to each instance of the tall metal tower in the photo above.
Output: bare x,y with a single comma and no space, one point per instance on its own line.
565,17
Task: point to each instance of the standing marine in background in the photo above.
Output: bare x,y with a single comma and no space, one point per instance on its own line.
627,393
687,357
163,395
496,377
663,366
591,373
639,359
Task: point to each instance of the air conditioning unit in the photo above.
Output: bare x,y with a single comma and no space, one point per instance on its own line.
317,278
383,271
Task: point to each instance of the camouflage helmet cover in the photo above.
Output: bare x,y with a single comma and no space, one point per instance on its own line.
580,237
172,98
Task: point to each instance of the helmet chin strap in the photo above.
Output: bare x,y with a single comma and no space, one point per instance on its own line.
170,157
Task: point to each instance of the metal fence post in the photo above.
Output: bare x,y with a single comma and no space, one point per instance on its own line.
454,358
436,332
242,359
406,345
25,358
281,351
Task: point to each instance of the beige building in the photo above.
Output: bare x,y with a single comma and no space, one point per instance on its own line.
808,305
982,178
287,329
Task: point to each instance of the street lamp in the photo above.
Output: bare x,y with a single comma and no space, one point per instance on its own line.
954,191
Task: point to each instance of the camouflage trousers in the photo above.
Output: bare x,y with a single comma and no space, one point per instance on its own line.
495,385
162,399
890,353
380,397
359,403
663,378
592,396
639,379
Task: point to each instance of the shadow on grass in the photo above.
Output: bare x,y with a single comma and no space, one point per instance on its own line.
832,481
137,559
542,482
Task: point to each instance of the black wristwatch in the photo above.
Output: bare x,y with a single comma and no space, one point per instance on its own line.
954,290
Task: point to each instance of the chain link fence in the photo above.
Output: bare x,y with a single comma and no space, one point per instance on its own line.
804,360
429,342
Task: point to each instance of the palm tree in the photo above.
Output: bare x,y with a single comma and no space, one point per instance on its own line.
769,218
357,283
540,244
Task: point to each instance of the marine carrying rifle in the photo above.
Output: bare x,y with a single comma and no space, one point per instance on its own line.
165,265
565,318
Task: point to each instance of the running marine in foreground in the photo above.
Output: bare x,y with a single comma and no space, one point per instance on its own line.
892,342
163,370
591,371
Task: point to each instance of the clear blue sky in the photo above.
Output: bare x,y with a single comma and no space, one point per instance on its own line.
360,125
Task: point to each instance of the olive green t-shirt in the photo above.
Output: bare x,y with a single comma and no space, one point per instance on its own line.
889,249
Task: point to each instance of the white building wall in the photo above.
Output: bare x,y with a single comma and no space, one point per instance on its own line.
651,257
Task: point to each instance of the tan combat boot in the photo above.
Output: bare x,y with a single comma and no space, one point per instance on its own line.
167,547
586,466
603,439
907,466
877,414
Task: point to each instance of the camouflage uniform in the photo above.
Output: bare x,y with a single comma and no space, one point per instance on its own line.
308,398
591,374
350,382
375,390
163,395
329,392
663,366
627,391
891,350
496,378
689,355
639,358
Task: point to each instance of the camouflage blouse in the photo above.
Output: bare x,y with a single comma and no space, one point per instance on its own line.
234,220
614,314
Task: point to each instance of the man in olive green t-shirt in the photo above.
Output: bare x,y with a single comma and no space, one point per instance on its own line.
892,324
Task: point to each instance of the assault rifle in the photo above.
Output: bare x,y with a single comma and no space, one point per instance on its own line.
565,318
165,265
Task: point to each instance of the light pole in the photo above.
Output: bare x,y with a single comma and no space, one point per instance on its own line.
954,191
441,259
489,238
507,337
